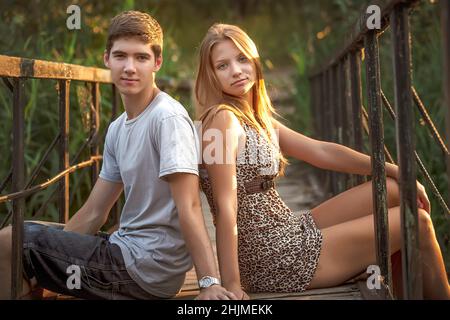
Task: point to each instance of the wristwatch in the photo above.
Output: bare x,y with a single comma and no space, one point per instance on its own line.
208,281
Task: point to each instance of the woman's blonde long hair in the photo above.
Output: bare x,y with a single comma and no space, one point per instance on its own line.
208,93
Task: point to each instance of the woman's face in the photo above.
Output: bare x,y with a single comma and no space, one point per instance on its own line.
235,72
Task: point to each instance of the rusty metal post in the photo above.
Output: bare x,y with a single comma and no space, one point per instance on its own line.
412,268
323,104
338,106
356,93
314,103
317,104
18,181
327,124
344,178
330,123
333,122
350,131
343,101
445,27
64,101
338,122
378,161
95,126
321,121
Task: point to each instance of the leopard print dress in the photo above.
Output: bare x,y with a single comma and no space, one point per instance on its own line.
278,250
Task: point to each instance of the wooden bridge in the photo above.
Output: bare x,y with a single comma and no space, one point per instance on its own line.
339,114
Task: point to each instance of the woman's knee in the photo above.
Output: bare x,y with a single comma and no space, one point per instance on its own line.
393,192
426,229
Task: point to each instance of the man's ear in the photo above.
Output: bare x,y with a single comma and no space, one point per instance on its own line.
158,62
106,58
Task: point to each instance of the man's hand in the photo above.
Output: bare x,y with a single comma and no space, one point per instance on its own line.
215,292
422,198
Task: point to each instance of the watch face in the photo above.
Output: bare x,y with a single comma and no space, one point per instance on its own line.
206,282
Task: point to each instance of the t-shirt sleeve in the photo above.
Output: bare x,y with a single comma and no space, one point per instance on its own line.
110,169
178,146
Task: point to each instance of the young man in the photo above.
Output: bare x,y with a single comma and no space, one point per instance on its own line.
151,153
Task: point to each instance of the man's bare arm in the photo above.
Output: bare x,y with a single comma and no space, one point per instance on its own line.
185,192
93,214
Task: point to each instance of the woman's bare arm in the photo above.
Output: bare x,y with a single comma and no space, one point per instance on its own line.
327,155
222,175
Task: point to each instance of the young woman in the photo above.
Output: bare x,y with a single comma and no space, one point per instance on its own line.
262,245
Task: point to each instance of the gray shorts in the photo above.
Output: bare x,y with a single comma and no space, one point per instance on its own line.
84,266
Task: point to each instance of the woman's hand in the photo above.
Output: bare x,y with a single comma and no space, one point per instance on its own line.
422,198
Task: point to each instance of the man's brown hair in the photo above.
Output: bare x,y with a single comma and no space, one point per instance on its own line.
136,24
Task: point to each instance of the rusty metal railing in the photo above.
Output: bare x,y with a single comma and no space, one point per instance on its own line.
339,114
14,72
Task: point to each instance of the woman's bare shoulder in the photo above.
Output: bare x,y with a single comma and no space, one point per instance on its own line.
221,118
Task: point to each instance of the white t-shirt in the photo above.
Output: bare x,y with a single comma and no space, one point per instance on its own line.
139,153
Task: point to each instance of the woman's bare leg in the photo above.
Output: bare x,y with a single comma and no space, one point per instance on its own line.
357,202
353,203
348,248
435,282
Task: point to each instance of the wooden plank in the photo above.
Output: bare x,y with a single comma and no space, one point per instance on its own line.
368,294
348,291
322,292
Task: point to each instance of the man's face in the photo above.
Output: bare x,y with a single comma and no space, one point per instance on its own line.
132,64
